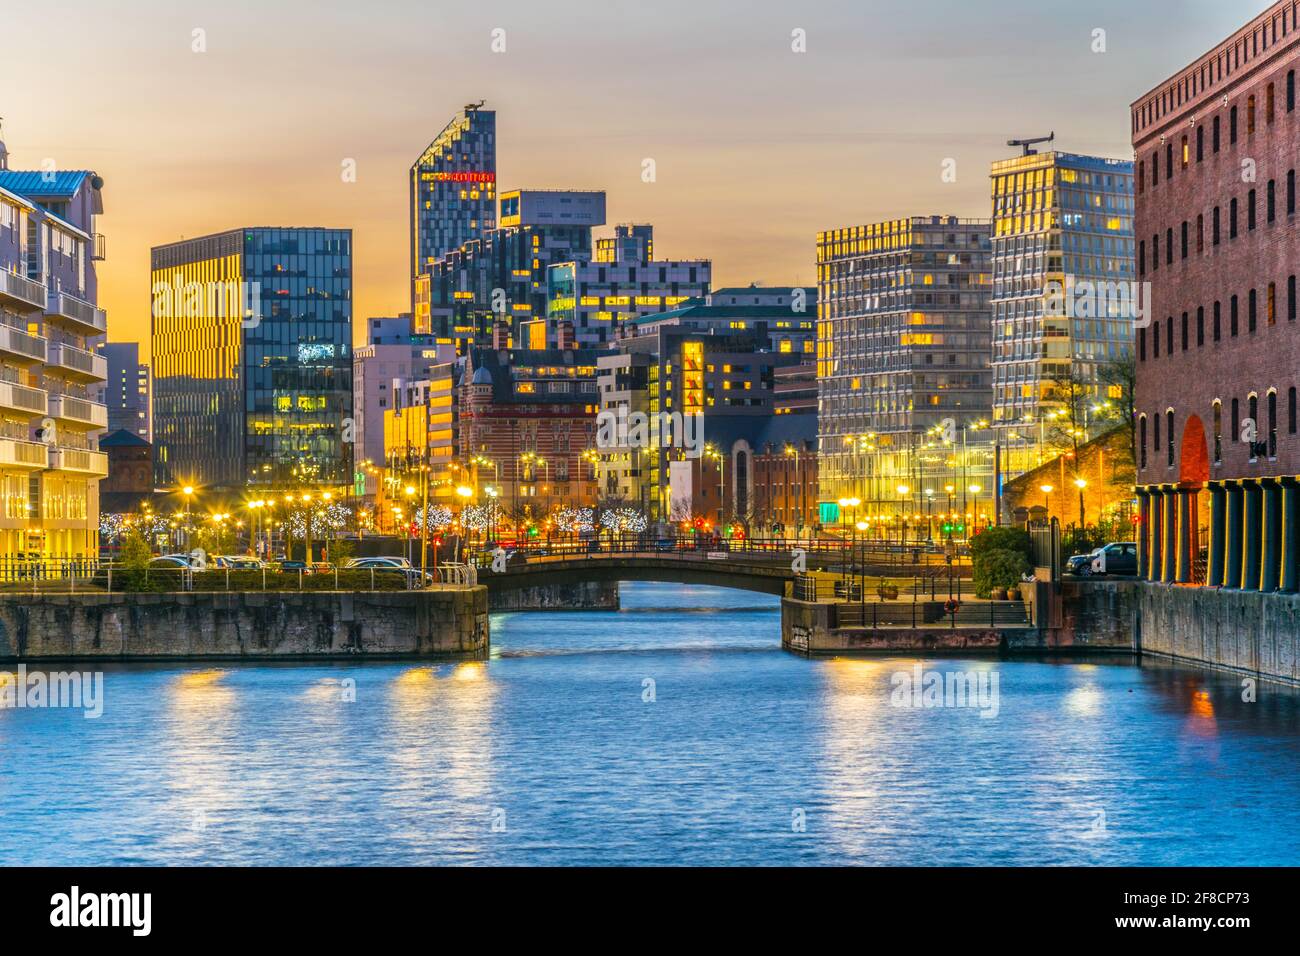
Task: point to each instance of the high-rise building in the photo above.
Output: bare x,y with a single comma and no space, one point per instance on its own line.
453,188
1063,281
633,242
1218,353
902,363
252,358
128,393
501,278
50,463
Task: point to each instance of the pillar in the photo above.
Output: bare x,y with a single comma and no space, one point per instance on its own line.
1271,530
1156,534
1170,546
1251,538
1183,559
1290,535
1144,527
1218,526
1232,539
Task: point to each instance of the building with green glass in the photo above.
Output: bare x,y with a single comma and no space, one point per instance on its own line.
252,353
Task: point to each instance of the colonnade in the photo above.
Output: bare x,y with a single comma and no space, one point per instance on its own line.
1254,529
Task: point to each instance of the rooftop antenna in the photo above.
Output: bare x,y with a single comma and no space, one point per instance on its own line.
1028,144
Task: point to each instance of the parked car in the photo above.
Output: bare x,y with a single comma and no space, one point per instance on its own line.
389,565
294,567
1118,558
238,562
171,561
1080,564
665,544
320,567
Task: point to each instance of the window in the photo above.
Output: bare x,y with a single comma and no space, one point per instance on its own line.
1142,257
1200,143
1272,200
1218,324
1272,424
1235,424
1155,168
1200,233
1155,252
1200,326
1169,246
1184,336
1169,436
1186,153
1290,193
1290,411
1218,431
1169,160
1142,437
1232,316
1268,104
1232,125
1184,239
1270,306
1290,91
1142,344
1250,115
1232,219
1142,176
1251,302
1290,298
1253,405
1169,336
1214,138
1155,339
1155,436
1250,210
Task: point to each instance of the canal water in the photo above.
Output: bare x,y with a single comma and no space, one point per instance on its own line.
673,732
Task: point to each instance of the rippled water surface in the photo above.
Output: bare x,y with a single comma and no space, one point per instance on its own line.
675,731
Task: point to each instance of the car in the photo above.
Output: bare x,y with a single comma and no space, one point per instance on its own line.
665,544
1080,564
171,561
294,566
320,567
377,561
1120,557
238,562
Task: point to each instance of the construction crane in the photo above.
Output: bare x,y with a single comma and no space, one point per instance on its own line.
1028,144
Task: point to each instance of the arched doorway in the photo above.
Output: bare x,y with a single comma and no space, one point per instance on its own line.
1193,473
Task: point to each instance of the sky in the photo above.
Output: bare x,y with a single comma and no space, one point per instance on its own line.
757,147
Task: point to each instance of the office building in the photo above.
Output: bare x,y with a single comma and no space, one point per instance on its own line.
902,363
453,187
252,358
128,393
1063,297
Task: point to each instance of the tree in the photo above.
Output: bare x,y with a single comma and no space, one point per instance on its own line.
1119,379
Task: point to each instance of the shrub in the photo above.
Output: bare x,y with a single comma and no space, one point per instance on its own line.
998,568
1000,539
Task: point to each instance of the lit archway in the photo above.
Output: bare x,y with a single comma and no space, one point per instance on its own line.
1194,457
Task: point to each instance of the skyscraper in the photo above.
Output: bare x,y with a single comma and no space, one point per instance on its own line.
453,188
1062,285
902,362
252,355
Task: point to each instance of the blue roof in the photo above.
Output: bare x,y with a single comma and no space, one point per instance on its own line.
35,183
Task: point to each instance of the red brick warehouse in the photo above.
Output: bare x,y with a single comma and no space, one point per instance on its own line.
1217,370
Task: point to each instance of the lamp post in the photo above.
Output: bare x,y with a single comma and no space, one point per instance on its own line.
903,491
1046,490
465,493
188,492
326,498
1081,484
846,504
306,500
975,494
288,527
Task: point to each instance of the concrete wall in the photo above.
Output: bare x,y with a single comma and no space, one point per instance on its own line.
252,625
577,596
1241,631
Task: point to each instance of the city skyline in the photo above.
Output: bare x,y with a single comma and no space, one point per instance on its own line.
723,151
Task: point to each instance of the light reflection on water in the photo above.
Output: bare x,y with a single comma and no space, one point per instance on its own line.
550,753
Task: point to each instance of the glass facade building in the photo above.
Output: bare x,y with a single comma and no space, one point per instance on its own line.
1063,269
453,188
252,354
904,386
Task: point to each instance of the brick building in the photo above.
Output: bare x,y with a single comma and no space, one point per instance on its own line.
1105,466
1218,364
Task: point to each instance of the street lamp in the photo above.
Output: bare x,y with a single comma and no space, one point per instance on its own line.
1046,490
1081,484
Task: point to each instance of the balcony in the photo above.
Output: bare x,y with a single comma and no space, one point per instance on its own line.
19,348
100,252
21,293
77,314
76,364
23,399
78,411
23,455
93,463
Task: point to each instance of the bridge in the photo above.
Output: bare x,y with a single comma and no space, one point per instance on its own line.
765,569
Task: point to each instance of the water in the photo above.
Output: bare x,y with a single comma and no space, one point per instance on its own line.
549,753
